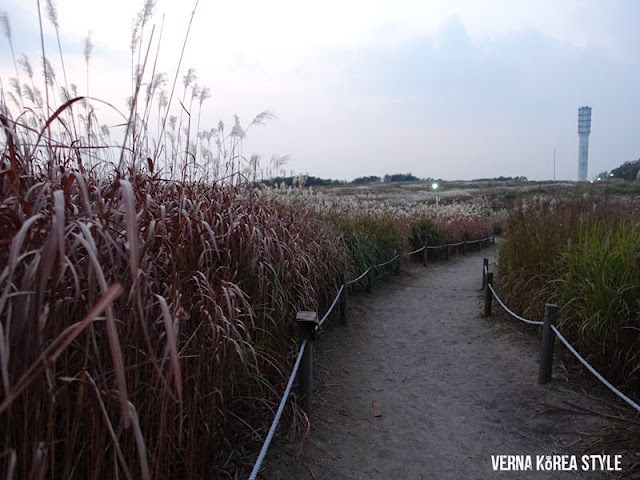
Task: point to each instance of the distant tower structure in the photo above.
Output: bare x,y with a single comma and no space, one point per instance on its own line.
584,129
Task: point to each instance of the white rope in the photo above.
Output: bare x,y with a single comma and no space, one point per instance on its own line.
388,261
350,282
532,322
274,424
593,370
571,349
335,300
415,251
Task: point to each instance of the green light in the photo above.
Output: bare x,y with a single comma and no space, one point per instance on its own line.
434,186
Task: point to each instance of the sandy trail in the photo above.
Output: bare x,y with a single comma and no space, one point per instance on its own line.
454,388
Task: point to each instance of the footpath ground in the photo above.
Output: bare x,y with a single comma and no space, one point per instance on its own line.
454,389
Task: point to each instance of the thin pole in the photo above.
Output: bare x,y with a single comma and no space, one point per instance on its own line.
548,339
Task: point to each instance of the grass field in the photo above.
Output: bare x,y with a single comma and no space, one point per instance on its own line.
148,289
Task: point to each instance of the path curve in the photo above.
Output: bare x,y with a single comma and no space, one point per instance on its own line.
454,388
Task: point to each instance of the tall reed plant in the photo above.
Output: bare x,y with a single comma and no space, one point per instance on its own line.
598,290
186,360
147,293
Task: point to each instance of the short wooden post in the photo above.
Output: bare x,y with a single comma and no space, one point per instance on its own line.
485,269
370,279
493,239
397,263
447,253
488,296
424,255
548,340
464,247
343,299
307,322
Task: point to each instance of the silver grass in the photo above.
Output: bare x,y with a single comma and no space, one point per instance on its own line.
64,94
28,93
195,92
88,47
204,94
237,130
189,78
52,13
23,61
6,26
262,118
15,84
49,72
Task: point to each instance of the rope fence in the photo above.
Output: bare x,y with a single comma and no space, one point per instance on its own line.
355,280
276,420
525,320
549,333
308,325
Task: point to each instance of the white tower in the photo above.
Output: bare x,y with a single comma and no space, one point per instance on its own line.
584,129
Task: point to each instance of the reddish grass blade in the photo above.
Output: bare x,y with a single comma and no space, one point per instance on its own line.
172,345
112,331
59,221
39,462
11,467
58,346
107,421
142,448
129,201
4,359
16,244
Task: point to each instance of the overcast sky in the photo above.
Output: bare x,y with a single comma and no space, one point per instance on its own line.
446,89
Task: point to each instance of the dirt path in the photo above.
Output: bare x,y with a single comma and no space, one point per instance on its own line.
454,388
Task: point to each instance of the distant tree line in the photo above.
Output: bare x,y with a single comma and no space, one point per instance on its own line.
364,180
301,181
310,181
501,179
401,177
628,170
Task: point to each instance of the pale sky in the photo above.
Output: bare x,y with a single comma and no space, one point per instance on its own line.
446,89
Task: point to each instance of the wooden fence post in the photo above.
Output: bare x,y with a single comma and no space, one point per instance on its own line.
370,279
464,247
485,269
548,340
488,296
447,254
307,322
343,299
397,263
424,255
493,239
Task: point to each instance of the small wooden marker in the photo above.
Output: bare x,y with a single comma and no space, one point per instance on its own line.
377,409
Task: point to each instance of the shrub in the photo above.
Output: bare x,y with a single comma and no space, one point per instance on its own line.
371,239
598,288
425,231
